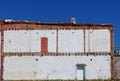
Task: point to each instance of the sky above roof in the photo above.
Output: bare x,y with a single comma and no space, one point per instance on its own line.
85,11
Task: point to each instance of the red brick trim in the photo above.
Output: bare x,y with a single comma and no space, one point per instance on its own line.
55,54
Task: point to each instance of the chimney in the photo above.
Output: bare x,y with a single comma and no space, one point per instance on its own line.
73,20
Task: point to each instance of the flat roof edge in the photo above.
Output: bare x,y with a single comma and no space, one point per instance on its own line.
53,23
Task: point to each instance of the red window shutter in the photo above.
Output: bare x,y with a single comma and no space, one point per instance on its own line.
44,45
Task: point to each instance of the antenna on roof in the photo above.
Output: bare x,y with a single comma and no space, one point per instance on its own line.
73,20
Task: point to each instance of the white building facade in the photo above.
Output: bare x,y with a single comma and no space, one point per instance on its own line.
51,51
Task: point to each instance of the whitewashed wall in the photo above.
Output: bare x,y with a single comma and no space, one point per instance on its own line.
28,41
36,41
17,41
97,40
55,67
70,41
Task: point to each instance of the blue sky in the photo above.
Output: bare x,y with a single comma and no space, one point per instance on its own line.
85,11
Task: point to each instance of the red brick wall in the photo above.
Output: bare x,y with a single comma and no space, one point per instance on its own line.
44,45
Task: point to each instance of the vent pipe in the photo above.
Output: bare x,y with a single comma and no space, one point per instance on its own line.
73,20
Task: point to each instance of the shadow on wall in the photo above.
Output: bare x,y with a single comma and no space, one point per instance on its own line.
116,70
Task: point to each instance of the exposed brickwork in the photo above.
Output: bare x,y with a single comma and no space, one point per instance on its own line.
44,45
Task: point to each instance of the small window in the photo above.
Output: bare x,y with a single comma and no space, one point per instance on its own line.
44,45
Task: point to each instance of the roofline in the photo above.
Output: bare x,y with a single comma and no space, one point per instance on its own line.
53,23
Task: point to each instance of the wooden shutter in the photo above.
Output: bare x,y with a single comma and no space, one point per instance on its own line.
44,45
